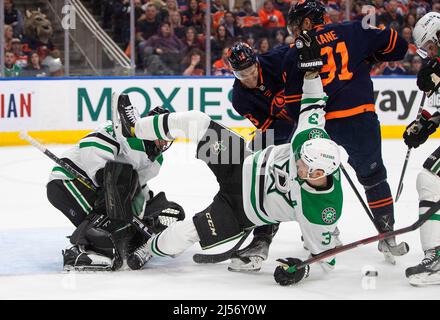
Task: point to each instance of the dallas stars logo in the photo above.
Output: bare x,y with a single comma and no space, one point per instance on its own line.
280,182
218,147
315,133
329,215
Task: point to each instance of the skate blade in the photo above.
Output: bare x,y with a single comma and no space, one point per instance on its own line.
86,269
244,270
424,279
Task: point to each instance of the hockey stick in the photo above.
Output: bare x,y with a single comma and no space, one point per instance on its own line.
381,236
219,257
397,250
136,222
408,152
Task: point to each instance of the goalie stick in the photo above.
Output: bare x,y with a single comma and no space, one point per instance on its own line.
136,222
219,257
381,236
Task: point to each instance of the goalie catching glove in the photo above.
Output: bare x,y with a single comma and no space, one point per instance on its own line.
309,53
418,131
288,274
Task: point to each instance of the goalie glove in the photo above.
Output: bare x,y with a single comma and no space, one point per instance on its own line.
428,77
418,131
309,53
287,273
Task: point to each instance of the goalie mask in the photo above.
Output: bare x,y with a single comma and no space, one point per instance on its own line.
320,154
157,147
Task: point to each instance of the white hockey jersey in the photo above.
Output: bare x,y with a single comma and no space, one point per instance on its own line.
102,145
272,191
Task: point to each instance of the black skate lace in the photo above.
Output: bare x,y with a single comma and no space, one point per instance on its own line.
130,113
142,251
429,257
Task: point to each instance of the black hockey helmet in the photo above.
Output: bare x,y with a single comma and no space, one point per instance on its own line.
312,9
241,56
153,149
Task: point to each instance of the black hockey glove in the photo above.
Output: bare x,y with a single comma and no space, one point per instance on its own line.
424,79
418,131
309,52
286,274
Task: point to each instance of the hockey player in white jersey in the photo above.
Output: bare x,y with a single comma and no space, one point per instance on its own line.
117,164
427,35
298,181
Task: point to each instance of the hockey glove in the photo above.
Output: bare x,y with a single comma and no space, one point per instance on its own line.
287,274
418,131
309,53
424,78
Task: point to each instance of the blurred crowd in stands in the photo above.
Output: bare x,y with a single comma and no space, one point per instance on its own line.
29,51
171,34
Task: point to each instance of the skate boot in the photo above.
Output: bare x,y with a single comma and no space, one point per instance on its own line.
76,258
139,257
388,246
128,115
428,271
250,259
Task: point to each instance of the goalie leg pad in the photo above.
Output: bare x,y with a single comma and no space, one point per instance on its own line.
122,186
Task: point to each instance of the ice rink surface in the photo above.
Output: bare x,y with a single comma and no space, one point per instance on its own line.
32,235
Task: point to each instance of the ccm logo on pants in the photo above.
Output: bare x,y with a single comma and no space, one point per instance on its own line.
211,224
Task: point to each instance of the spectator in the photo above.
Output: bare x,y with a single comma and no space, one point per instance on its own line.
170,6
34,68
193,64
9,35
220,41
247,17
231,26
283,6
393,68
334,16
218,5
175,20
21,59
279,38
436,7
11,69
221,67
407,35
270,17
162,52
121,19
14,18
263,46
191,41
193,17
148,24
416,65
410,20
250,40
392,18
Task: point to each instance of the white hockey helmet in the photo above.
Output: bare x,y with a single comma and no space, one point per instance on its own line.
321,154
426,30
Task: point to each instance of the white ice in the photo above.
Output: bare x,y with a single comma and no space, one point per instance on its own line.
33,233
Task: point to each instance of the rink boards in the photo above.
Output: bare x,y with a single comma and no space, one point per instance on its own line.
63,110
